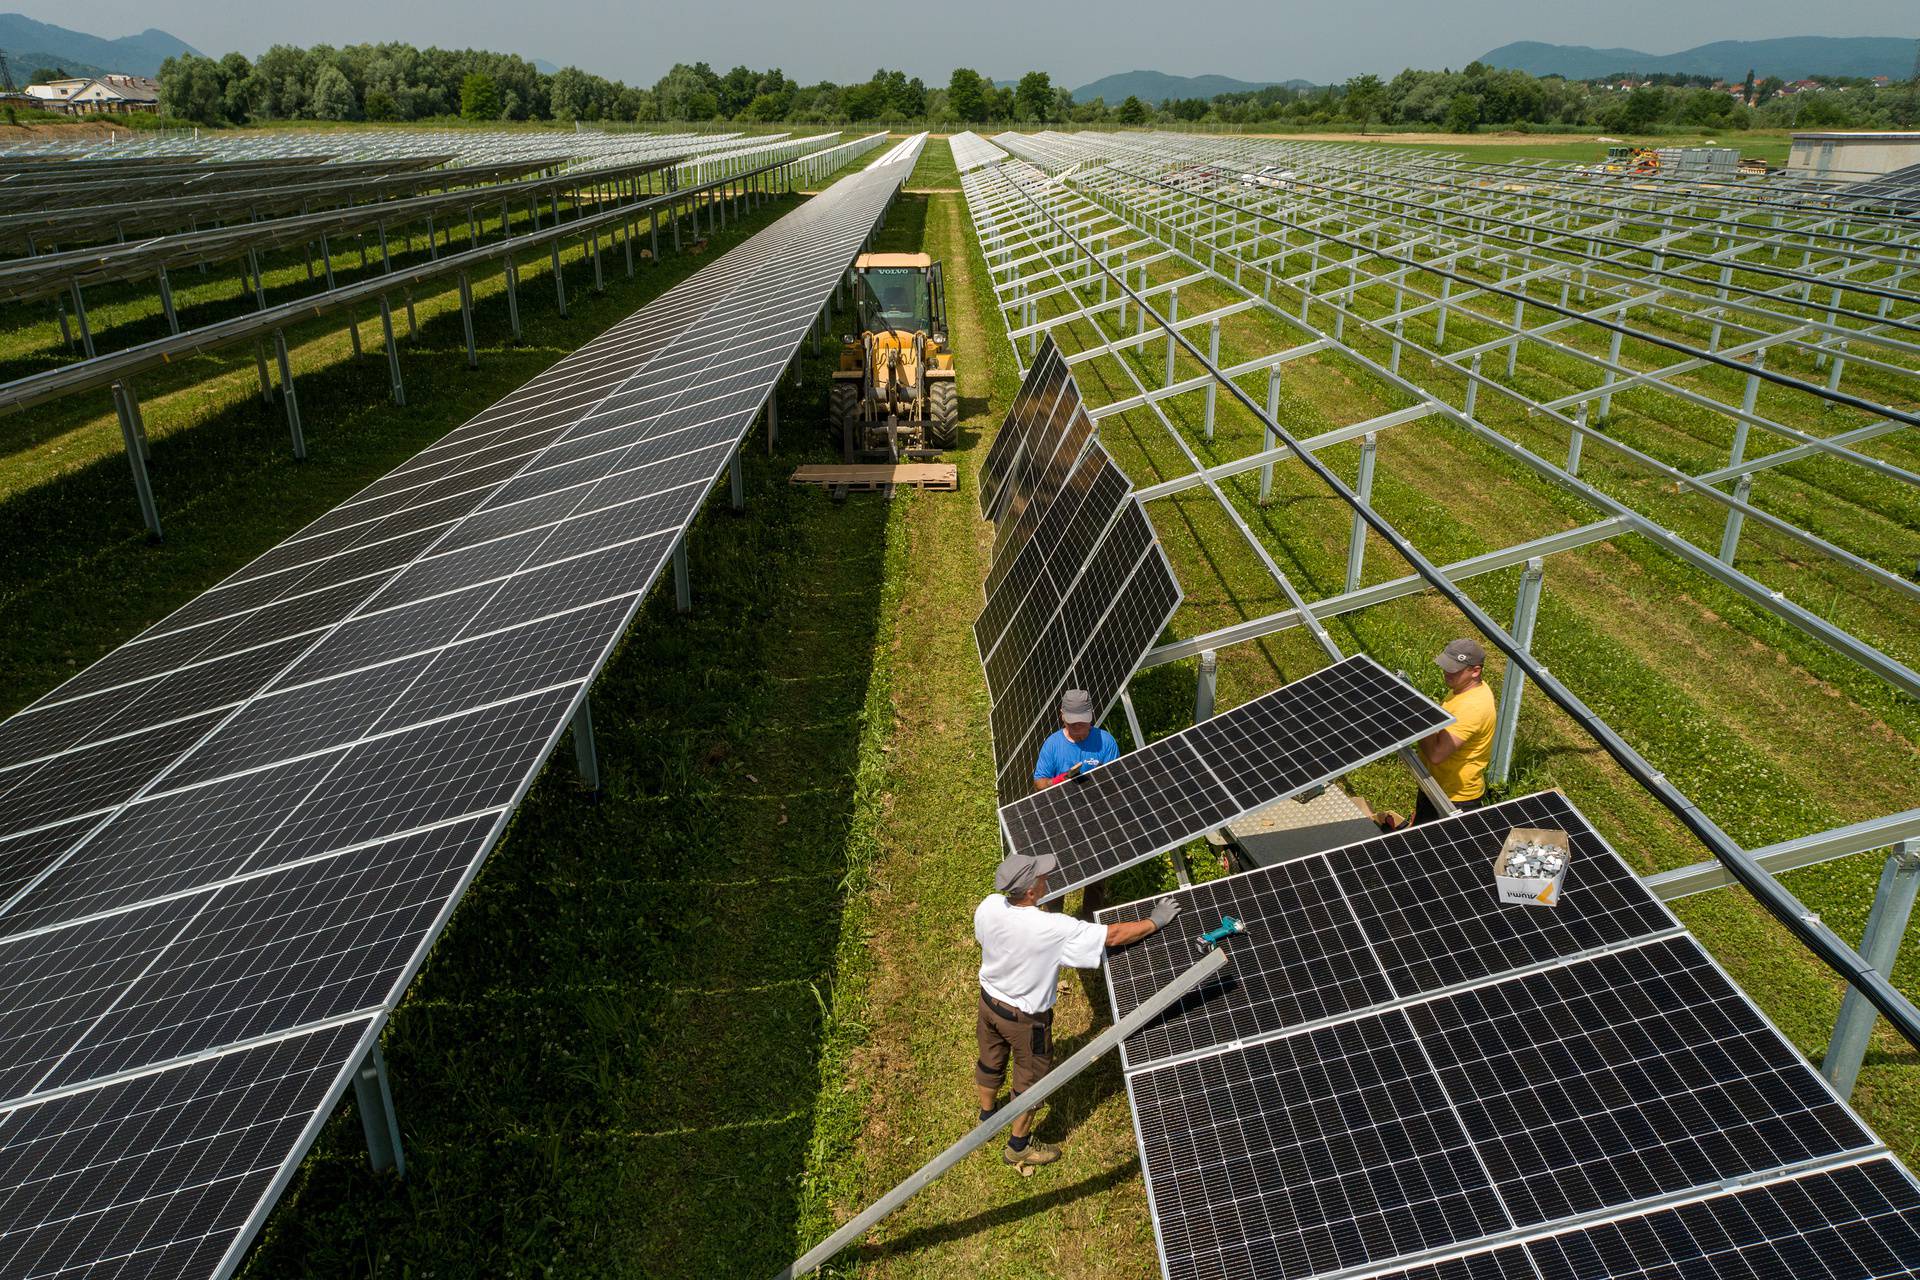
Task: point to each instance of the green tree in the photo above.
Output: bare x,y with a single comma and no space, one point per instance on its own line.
1132,111
1363,95
1033,96
193,88
1746,88
765,109
1463,113
687,93
378,104
479,97
967,95
1643,108
333,95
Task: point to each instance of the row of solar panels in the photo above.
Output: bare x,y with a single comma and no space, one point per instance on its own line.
226,847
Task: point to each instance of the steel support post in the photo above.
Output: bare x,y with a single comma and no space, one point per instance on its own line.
1575,440
1730,535
559,281
1613,362
773,418
374,1098
1473,386
682,584
1879,947
134,436
736,482
1213,385
466,320
1526,609
1206,682
393,352
288,397
80,314
1267,438
1173,326
166,302
1357,537
586,754
512,274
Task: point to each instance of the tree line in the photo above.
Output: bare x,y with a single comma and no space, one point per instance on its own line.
398,82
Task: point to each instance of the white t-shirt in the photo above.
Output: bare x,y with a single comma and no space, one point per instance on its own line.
1022,949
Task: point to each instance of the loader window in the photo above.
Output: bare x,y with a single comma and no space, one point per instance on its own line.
896,298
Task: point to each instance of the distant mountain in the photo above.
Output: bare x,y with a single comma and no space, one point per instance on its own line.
43,44
1156,86
544,67
1791,58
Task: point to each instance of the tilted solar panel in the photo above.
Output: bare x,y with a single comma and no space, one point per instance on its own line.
1182,786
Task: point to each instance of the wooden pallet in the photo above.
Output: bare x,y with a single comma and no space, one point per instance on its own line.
842,478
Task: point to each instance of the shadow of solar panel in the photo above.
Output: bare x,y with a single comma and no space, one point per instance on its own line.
1327,1150
159,1173
1171,791
1623,1077
1425,897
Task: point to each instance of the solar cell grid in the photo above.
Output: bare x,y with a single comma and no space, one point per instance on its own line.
157,1175
1436,877
1856,1222
1048,478
1424,896
1645,1072
1328,1150
1009,440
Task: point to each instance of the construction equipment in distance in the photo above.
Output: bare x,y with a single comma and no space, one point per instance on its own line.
893,395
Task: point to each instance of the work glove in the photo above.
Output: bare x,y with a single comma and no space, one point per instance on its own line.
1163,913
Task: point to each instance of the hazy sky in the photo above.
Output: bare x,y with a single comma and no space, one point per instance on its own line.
834,39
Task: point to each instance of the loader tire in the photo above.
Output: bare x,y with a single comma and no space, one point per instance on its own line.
843,411
943,415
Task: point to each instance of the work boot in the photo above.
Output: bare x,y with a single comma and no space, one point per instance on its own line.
1037,1153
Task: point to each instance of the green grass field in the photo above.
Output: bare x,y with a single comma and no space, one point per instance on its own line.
686,1028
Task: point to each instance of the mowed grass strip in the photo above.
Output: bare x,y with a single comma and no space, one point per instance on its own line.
904,1091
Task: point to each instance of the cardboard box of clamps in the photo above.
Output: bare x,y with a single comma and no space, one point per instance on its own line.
1532,891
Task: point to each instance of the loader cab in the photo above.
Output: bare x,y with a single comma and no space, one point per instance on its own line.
899,291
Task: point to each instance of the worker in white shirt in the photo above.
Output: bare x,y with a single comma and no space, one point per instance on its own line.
1022,949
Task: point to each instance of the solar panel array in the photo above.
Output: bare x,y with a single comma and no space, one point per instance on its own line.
1080,587
1198,780
1400,1075
970,151
226,847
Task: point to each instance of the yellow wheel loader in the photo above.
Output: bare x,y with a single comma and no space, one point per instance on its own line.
893,395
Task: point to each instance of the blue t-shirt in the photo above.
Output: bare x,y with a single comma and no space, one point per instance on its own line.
1060,754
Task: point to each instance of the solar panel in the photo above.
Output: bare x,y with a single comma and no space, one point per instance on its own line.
248,823
1009,457
1094,641
1396,916
1038,577
1529,1107
1201,778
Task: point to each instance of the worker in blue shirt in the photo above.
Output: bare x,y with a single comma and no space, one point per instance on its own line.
1078,745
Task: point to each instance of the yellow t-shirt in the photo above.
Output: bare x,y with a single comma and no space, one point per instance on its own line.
1464,773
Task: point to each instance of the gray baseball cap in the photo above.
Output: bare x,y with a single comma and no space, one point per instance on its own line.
1077,707
1461,654
1018,870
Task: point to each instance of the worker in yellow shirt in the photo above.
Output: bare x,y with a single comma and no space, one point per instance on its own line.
1458,754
